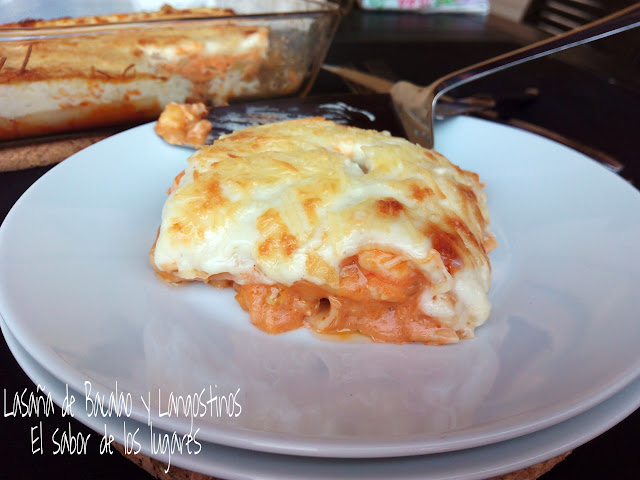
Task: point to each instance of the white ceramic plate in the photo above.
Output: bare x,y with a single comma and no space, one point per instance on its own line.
78,293
472,464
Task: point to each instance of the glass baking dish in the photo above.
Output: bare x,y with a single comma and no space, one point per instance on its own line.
116,70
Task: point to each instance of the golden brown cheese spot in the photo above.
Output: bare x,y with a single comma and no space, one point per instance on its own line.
183,231
206,195
467,192
278,240
203,202
289,244
265,247
212,188
309,206
420,193
390,207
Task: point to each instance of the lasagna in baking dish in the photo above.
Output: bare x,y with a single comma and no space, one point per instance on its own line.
103,77
334,228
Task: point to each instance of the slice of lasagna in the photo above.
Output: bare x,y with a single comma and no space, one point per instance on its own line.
77,79
334,228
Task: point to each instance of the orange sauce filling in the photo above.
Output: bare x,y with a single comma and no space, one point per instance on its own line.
385,308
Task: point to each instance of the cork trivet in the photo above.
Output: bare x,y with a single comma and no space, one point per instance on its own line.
29,153
157,469
534,471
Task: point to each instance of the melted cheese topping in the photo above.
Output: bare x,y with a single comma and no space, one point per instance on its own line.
166,12
333,227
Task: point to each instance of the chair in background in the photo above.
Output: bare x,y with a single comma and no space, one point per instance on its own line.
557,16
618,53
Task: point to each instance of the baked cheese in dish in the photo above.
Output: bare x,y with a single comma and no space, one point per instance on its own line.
334,228
166,12
131,72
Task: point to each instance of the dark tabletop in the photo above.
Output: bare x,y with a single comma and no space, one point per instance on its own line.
584,95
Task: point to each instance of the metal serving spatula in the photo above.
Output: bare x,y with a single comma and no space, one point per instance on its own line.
374,111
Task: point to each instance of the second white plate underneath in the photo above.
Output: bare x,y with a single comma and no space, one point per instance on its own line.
472,464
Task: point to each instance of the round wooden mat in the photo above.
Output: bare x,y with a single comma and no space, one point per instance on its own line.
157,469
